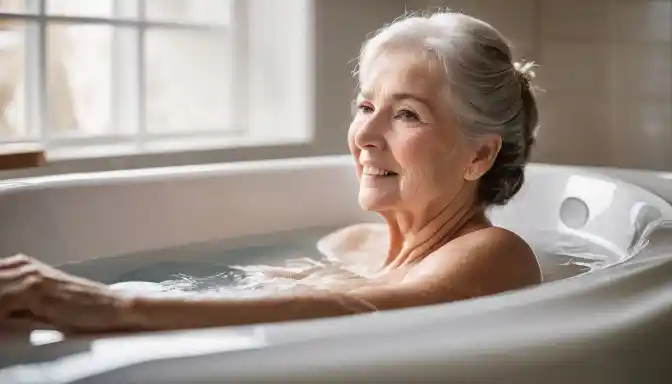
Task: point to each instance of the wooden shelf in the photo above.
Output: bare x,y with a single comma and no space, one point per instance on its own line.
17,156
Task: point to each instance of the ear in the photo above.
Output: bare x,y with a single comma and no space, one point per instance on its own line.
483,156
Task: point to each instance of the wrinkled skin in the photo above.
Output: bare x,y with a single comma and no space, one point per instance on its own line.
35,290
403,125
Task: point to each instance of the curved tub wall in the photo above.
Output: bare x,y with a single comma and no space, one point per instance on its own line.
573,201
72,218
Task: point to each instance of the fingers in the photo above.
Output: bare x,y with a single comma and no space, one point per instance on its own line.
8,275
15,261
30,287
18,276
15,295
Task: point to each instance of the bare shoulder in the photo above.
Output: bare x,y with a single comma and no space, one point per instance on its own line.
485,261
496,243
356,243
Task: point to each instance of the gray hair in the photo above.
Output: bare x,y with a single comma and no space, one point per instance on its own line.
488,92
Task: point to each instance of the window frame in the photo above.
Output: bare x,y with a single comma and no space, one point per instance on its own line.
128,104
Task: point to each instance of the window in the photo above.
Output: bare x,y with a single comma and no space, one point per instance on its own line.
121,73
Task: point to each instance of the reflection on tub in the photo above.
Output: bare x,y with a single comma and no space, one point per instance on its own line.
596,193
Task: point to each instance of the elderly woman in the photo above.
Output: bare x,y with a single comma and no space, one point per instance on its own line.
443,126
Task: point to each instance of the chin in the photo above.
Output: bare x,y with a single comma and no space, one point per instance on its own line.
374,202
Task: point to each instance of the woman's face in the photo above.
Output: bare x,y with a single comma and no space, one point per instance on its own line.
404,138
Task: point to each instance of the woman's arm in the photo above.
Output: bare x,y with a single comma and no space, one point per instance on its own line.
29,287
465,270
492,262
153,313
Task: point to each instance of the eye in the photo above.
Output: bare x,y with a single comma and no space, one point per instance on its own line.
407,115
360,107
365,108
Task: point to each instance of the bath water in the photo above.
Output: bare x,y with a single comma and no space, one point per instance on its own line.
244,266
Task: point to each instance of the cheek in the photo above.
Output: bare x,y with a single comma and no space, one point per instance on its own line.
427,161
422,152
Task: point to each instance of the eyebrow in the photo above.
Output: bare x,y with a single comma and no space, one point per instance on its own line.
402,96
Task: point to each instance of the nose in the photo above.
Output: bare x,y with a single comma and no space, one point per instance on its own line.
369,134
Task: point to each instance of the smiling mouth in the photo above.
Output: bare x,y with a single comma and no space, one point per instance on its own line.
377,172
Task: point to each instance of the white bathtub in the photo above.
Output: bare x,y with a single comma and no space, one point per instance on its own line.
612,325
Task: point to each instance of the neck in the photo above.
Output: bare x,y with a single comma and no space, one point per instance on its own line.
416,234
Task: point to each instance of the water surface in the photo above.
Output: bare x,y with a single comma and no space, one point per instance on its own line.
237,267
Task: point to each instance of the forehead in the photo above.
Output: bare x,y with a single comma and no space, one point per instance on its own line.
401,72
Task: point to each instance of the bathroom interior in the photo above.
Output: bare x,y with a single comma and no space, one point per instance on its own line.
114,112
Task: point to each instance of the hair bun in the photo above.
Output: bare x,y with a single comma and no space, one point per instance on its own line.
526,71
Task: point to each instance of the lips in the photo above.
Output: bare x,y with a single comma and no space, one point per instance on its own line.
375,171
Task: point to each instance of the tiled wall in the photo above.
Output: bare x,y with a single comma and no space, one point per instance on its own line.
606,71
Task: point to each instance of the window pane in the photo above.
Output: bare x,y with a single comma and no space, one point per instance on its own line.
85,8
12,80
189,11
187,80
13,6
79,79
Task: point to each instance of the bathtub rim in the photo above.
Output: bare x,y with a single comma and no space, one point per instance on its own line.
389,323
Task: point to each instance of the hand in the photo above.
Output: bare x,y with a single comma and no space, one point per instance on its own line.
30,287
